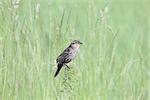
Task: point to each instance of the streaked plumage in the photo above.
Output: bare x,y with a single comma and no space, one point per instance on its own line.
67,55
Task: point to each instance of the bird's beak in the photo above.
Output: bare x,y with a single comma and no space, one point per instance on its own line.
80,43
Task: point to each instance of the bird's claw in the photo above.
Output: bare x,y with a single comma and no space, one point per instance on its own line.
67,66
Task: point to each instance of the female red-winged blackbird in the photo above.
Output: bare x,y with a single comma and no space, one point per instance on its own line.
67,55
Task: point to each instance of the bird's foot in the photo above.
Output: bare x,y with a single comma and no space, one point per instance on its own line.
67,66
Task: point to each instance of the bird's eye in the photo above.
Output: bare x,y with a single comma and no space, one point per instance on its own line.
73,43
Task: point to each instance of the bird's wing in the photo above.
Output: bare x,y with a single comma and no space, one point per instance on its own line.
63,56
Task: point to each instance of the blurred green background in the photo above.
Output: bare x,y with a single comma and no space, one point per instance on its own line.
113,63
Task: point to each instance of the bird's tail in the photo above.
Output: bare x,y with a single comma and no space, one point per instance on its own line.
59,66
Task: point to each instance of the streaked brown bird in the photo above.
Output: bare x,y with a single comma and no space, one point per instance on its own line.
67,55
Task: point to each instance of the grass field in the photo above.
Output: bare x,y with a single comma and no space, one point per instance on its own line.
112,64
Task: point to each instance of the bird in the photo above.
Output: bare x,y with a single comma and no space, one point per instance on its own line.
67,55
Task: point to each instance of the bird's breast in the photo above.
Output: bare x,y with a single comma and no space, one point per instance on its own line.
73,54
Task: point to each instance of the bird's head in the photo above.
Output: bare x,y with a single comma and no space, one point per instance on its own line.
75,44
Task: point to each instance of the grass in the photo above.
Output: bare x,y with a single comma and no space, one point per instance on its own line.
113,63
